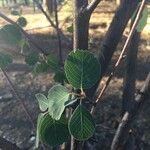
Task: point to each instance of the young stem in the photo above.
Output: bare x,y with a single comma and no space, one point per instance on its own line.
58,32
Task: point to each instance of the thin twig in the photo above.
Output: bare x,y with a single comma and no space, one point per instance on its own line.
19,98
124,126
24,32
46,15
133,29
58,33
36,28
21,102
51,22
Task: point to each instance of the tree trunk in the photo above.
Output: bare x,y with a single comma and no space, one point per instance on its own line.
130,74
129,84
81,26
115,31
113,36
48,5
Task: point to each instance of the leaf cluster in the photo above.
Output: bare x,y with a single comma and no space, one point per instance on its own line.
82,70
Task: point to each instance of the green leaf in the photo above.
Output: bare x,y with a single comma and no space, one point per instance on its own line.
41,67
143,20
5,59
15,13
81,124
43,101
70,29
22,21
57,96
11,34
53,62
39,122
32,58
22,43
82,69
54,132
60,77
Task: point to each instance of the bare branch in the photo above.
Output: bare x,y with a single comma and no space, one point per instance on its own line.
112,38
28,115
51,22
124,126
46,15
58,33
19,98
91,7
24,32
133,29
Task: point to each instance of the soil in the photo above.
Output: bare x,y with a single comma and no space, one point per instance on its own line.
15,126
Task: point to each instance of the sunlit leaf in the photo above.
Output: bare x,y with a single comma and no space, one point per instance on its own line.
57,96
82,69
43,101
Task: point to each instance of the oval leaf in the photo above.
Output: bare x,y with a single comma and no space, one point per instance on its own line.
81,124
11,34
43,101
54,132
57,96
32,58
22,21
82,69
53,62
41,67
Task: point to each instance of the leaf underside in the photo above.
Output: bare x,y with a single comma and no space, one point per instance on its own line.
43,101
57,96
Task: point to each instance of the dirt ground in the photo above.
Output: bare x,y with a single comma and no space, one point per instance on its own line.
14,125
